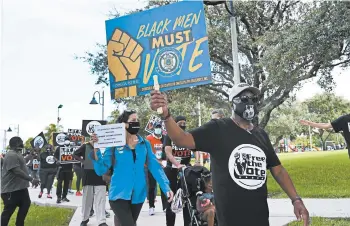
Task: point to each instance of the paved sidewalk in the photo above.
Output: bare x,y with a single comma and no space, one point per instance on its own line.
281,210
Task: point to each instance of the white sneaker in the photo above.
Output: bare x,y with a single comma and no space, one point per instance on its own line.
151,211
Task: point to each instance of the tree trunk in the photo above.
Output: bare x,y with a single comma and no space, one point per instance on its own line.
275,145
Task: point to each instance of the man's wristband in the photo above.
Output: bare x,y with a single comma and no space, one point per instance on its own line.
296,199
167,116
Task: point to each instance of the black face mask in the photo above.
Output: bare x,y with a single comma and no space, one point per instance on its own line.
183,127
246,111
133,128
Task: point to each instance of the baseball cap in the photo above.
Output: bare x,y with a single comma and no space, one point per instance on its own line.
240,87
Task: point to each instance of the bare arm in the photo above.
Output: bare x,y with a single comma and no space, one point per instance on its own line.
20,173
169,155
197,155
201,208
316,125
178,136
281,176
283,179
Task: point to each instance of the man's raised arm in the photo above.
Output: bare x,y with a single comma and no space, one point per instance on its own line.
316,125
176,134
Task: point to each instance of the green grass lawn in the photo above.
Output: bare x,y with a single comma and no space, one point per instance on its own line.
43,216
315,174
319,221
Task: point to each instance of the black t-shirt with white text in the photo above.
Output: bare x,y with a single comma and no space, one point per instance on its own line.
239,161
47,160
182,155
64,167
343,124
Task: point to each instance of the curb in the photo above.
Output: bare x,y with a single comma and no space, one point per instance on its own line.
54,205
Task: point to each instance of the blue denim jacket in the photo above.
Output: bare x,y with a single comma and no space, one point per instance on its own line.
128,181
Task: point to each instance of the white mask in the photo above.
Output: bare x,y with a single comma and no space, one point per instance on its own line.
158,131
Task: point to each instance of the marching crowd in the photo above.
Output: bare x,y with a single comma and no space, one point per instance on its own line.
240,155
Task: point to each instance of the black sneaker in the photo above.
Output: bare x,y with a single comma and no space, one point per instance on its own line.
65,199
58,200
92,213
103,224
84,223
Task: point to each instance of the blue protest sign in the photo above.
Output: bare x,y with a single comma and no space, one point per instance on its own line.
169,41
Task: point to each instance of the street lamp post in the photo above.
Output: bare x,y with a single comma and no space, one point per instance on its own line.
58,115
101,101
4,145
230,10
15,128
236,71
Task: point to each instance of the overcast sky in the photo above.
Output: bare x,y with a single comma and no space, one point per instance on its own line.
38,70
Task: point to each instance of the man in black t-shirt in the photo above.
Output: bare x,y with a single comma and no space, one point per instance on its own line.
48,170
241,154
94,188
341,124
64,176
177,158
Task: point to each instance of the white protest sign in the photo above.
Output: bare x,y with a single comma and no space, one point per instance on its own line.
111,135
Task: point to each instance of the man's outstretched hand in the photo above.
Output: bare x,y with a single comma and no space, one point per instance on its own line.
304,122
301,212
159,100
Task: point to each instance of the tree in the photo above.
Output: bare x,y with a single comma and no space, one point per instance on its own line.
49,130
284,121
281,45
327,107
27,144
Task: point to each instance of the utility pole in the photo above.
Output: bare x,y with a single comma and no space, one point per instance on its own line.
236,70
310,137
200,124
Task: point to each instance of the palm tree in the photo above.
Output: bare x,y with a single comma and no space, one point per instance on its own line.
27,144
49,130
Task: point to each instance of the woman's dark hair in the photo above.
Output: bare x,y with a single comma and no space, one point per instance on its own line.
125,116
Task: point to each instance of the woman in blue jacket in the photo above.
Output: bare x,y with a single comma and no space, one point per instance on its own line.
128,187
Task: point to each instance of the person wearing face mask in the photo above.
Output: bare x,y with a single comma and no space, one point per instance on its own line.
217,114
241,154
128,186
64,173
94,188
178,157
14,184
47,171
156,140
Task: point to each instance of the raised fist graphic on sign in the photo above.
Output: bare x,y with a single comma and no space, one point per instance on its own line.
124,61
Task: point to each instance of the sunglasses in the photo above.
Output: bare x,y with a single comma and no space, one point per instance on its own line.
245,99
